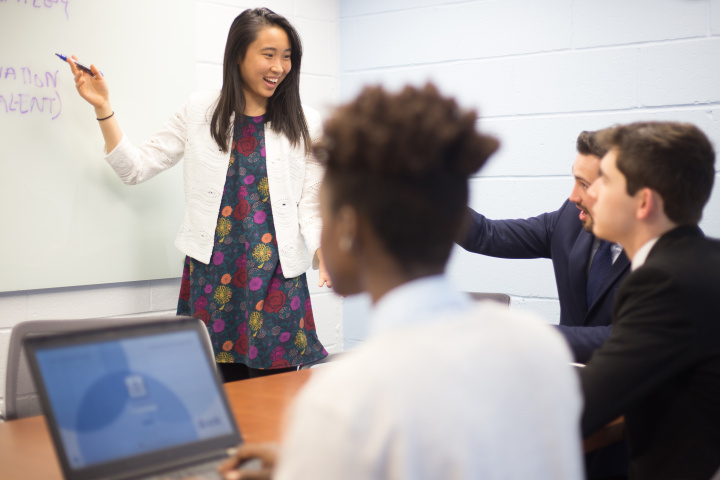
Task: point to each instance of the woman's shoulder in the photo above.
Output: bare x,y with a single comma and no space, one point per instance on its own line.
200,105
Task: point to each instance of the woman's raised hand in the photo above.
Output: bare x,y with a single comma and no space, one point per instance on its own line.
93,89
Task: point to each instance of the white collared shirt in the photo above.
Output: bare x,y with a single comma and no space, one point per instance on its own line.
417,302
442,389
642,254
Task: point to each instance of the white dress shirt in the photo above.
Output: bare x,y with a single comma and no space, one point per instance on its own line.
642,254
443,389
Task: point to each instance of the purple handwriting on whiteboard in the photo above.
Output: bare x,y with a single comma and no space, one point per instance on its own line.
43,4
33,92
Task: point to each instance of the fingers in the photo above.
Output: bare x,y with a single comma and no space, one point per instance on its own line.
79,77
96,73
73,68
266,453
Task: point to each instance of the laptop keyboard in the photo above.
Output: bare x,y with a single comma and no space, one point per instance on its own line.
207,471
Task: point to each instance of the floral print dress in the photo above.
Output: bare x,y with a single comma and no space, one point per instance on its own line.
254,314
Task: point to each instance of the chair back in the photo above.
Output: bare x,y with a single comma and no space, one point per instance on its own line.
502,298
21,398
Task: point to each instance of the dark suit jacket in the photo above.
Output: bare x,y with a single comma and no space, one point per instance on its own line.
661,365
559,236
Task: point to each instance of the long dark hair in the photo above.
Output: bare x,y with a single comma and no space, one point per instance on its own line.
284,110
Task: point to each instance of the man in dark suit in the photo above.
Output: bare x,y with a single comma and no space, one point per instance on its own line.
660,368
563,236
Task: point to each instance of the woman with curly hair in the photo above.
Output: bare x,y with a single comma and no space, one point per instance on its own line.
442,388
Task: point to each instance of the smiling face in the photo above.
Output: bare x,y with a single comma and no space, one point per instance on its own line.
265,66
585,170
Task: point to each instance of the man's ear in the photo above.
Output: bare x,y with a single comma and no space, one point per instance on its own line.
650,204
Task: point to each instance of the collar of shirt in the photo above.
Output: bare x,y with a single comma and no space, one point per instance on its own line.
616,251
615,248
417,302
642,254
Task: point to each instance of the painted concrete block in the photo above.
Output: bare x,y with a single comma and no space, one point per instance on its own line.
483,85
356,320
164,294
547,310
685,73
320,46
545,144
4,346
318,9
457,32
327,312
478,30
212,23
319,92
364,7
575,81
715,17
518,197
90,301
208,76
522,278
618,22
13,308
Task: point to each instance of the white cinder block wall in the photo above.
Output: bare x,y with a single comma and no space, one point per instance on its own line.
317,22
539,72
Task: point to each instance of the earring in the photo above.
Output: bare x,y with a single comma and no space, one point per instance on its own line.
345,244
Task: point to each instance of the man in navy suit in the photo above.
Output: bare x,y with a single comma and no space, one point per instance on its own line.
563,236
660,368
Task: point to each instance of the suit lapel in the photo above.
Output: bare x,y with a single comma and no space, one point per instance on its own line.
619,267
578,264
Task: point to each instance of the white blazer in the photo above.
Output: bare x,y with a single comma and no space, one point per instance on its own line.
293,177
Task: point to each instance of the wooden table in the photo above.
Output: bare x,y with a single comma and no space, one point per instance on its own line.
259,405
26,450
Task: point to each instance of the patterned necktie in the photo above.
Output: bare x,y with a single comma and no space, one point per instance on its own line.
601,264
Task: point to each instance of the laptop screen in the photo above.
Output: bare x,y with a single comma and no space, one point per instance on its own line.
125,397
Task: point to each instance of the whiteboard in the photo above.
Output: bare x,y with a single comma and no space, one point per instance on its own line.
65,218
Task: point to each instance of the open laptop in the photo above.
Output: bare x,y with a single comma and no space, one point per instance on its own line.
133,401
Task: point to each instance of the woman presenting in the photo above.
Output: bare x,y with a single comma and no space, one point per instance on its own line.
252,217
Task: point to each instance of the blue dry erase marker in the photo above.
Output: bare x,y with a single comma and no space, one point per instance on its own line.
77,64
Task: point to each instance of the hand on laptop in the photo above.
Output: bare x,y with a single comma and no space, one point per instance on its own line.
251,462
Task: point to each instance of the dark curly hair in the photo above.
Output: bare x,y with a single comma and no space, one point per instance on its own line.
403,161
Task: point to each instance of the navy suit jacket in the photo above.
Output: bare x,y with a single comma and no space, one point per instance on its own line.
559,236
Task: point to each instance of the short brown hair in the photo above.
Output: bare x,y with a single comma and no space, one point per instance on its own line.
403,161
587,144
675,159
